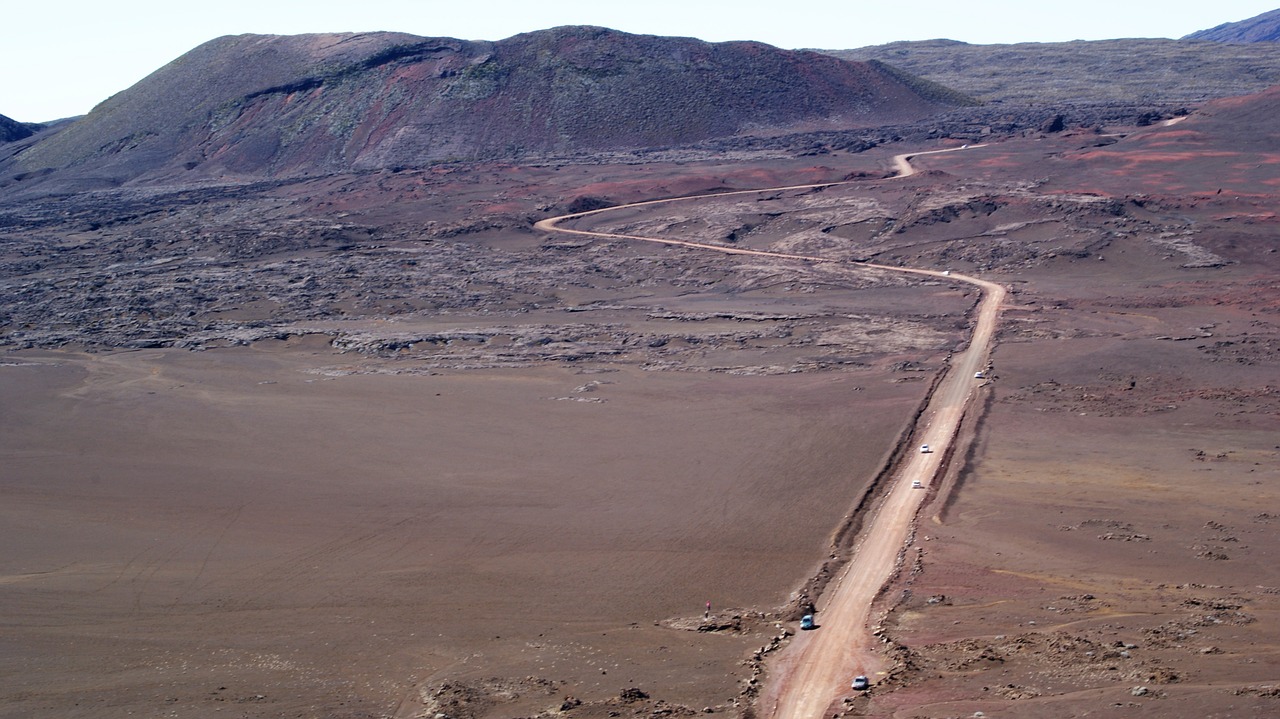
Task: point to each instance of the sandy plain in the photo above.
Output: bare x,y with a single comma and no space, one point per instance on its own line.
237,526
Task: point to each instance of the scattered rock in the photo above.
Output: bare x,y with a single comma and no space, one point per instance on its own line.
633,694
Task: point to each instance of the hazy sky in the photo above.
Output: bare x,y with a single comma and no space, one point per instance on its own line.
59,59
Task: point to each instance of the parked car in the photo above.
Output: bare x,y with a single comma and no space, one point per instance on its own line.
924,449
806,622
979,375
917,484
861,683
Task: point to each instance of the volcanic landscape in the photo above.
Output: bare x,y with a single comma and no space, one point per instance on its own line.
302,416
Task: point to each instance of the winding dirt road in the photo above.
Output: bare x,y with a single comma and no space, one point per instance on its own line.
815,671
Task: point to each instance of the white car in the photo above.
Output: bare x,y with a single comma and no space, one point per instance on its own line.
924,449
979,375
917,484
861,683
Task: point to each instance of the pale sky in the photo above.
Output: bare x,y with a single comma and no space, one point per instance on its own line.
59,59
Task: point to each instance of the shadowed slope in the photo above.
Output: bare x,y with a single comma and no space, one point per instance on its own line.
11,130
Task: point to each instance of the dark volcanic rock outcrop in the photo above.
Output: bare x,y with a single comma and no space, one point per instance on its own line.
1261,28
11,130
254,105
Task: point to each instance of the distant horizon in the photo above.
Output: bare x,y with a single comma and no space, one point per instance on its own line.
77,54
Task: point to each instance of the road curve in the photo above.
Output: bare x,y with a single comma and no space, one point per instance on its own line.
902,163
815,671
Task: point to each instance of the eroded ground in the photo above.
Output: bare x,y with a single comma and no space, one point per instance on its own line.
1109,548
1106,546
425,461
299,495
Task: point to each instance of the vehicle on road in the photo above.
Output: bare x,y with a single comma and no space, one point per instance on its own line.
861,683
924,449
806,622
917,484
979,375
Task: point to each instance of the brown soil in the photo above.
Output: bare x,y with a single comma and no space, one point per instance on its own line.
516,497
245,525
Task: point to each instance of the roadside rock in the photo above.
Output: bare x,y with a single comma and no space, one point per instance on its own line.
1056,123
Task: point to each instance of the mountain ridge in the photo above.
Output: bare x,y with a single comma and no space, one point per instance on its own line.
1081,71
1259,28
254,105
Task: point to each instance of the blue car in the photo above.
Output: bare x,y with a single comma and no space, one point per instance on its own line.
806,622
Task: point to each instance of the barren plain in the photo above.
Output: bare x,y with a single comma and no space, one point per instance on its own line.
368,445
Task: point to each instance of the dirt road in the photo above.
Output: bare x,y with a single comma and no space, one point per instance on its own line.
816,670
902,163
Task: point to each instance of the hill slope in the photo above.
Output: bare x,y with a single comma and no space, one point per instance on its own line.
11,130
276,105
1152,70
1245,123
1229,146
1261,28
